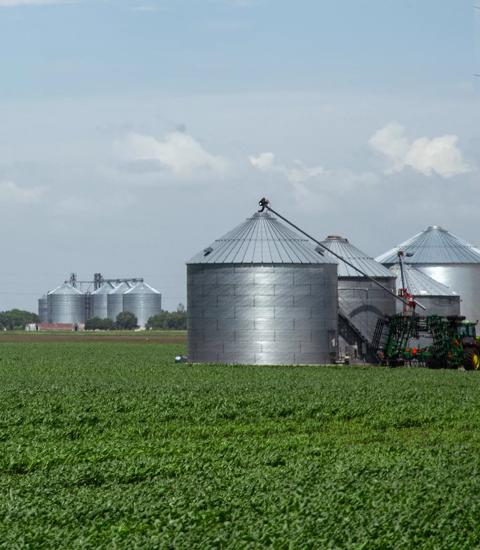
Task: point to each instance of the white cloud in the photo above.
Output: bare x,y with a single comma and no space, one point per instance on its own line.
295,174
265,162
312,182
12,193
179,153
438,155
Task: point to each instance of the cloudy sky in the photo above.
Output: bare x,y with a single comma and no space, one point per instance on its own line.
135,132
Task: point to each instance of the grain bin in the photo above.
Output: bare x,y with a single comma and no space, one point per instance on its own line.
66,304
262,294
115,300
437,299
143,301
43,309
99,301
446,258
360,300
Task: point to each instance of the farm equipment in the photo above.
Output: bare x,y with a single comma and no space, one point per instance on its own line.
407,338
432,341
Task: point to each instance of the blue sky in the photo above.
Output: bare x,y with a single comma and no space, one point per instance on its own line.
132,133
184,46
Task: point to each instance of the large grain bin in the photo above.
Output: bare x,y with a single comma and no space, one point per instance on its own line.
99,301
437,299
66,304
115,300
143,301
43,309
262,294
359,298
446,258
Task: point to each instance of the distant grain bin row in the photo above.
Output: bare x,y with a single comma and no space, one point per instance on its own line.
66,304
263,294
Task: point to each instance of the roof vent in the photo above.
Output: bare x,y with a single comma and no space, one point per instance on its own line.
207,251
336,238
319,249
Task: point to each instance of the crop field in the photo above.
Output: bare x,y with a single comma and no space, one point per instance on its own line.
112,444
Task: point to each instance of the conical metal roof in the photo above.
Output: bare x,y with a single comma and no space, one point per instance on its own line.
363,261
142,288
121,288
261,239
66,288
420,284
435,246
106,288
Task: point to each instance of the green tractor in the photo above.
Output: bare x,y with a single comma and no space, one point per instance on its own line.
433,341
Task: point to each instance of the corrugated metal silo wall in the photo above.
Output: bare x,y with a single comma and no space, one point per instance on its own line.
142,305
364,302
43,310
436,305
88,305
274,314
462,279
66,308
114,305
99,305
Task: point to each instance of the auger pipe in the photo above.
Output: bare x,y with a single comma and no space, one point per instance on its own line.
266,205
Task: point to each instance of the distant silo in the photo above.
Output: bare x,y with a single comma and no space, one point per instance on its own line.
99,301
446,258
143,301
360,300
43,309
262,294
66,304
437,299
115,300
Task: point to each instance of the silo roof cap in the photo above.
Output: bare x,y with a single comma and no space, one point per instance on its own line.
142,288
336,238
356,257
121,288
106,288
435,246
66,288
261,239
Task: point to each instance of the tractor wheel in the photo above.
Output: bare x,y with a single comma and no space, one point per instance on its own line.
471,359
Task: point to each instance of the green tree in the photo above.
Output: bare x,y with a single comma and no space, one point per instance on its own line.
126,321
107,324
17,319
173,320
95,323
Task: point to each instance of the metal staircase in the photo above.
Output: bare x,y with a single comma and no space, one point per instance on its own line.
353,334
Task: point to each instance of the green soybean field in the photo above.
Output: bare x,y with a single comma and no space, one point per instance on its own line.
107,444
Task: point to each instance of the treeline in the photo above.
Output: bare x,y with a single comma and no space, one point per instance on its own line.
125,321
18,319
15,319
166,320
174,320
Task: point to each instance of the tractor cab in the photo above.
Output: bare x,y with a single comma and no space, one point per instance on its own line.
463,330
463,335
